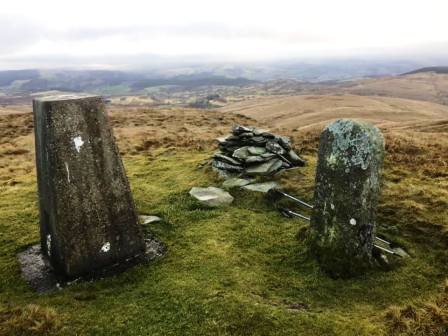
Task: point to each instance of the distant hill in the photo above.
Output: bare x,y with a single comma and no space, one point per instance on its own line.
436,69
308,111
419,85
8,77
105,81
189,81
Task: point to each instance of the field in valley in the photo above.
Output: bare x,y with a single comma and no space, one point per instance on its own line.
242,270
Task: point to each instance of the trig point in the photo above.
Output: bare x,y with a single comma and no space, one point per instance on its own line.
87,214
346,196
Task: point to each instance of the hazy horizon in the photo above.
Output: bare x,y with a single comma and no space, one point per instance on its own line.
105,35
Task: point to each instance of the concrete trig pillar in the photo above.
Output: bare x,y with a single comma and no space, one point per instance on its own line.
346,196
87,213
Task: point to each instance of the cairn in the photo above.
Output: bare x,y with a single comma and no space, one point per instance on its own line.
250,151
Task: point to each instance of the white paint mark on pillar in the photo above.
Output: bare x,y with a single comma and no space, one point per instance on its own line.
49,245
68,171
78,143
353,221
105,248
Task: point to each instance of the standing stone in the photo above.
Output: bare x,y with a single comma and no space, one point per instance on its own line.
87,213
346,196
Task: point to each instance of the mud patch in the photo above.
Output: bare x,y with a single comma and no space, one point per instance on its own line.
36,270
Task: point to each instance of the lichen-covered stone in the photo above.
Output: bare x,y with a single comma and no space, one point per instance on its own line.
346,196
87,213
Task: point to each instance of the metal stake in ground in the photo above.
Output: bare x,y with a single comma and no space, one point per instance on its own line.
346,196
87,214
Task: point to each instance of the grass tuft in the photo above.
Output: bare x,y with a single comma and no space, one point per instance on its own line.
428,318
32,319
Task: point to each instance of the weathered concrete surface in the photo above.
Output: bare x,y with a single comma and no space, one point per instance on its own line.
346,196
87,214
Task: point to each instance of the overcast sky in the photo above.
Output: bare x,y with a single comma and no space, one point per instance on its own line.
102,33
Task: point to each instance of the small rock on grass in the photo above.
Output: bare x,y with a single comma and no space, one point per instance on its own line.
149,219
211,196
402,253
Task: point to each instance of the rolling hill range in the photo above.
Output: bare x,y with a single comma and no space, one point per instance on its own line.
435,69
428,85
311,111
105,82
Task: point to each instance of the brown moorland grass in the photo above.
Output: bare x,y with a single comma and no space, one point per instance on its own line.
427,86
308,111
31,319
428,318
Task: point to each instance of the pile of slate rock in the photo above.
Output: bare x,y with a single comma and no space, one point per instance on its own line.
250,151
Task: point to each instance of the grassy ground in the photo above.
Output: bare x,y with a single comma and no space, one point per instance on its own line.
241,270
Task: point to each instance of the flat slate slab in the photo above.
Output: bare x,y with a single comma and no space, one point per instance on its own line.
263,187
235,182
256,150
211,196
265,168
242,153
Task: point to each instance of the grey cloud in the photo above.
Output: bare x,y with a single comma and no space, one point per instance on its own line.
18,32
204,29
